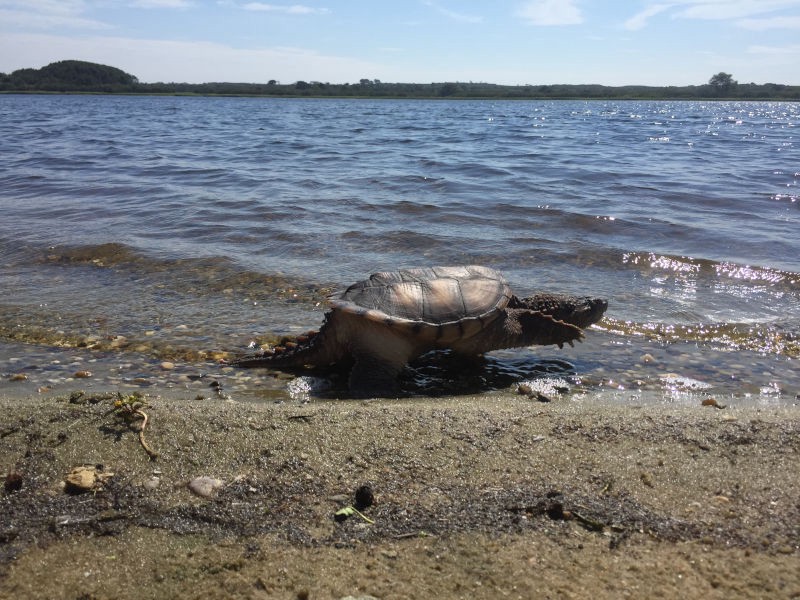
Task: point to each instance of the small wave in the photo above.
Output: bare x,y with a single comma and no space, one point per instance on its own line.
201,275
700,267
757,337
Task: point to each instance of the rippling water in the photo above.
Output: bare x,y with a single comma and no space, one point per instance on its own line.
139,230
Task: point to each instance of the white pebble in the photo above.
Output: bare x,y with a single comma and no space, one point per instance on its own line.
204,485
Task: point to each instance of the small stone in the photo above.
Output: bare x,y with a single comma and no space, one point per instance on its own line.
712,402
648,358
118,341
364,497
18,377
205,486
167,365
151,483
82,374
13,482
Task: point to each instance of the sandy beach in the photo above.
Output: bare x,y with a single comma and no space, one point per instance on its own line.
500,496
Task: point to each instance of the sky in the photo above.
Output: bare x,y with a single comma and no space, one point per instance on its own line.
533,42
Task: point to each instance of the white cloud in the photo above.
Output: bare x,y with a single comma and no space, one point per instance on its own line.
639,20
162,3
731,9
770,23
455,16
57,19
718,10
62,7
791,51
550,12
294,9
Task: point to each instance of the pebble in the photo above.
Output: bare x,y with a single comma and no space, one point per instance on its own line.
167,365
117,341
712,402
152,483
82,374
18,377
364,497
204,486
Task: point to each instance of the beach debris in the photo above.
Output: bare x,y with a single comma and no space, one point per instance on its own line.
86,478
588,522
348,511
364,498
205,486
130,407
712,402
304,418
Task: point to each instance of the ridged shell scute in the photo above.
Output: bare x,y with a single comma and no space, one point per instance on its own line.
431,296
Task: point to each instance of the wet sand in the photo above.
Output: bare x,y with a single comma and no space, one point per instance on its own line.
497,496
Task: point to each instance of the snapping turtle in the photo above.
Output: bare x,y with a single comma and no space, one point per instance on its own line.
376,326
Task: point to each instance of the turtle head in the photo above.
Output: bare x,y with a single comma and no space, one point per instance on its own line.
581,311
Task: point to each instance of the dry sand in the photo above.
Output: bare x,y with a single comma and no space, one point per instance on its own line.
496,496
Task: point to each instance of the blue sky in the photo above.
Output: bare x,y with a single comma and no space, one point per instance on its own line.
647,42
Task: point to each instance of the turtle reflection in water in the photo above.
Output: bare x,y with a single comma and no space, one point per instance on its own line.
378,325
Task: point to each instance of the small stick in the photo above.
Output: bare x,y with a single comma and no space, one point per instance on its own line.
150,452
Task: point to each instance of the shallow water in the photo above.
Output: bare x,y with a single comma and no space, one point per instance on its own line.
143,231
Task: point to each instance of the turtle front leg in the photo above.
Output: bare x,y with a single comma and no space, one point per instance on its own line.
518,328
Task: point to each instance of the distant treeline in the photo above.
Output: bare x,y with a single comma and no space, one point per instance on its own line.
70,76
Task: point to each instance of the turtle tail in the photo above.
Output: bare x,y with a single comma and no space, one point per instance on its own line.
313,349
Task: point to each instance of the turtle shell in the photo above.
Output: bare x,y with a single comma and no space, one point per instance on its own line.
433,296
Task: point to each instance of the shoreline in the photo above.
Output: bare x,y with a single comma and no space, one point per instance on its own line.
474,496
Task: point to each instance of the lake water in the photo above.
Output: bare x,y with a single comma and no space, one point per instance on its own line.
138,231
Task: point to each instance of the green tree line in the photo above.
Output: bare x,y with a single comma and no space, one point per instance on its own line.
69,76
